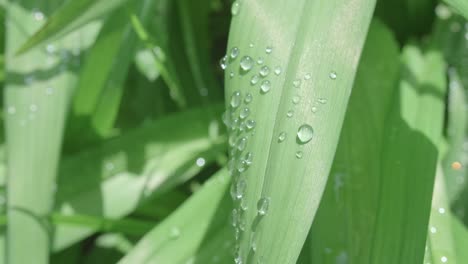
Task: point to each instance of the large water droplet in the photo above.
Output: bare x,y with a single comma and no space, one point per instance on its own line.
250,124
236,99
235,8
282,137
241,143
234,53
333,75
246,63
264,71
265,86
263,205
305,133
244,113
255,79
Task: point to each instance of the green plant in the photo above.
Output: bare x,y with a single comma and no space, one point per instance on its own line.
344,137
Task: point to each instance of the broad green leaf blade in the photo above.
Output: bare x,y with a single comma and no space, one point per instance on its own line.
348,209
127,171
460,5
200,220
377,203
37,92
69,17
311,49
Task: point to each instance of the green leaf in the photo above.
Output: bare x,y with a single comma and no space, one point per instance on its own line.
69,17
382,180
460,6
197,231
37,92
317,45
128,171
460,235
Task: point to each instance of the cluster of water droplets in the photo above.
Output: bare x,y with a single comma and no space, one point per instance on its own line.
434,231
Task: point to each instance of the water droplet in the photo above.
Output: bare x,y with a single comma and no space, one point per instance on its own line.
244,113
278,70
296,99
433,230
232,140
314,109
251,45
248,98
444,259
51,49
236,99
246,63
299,154
305,133
297,83
263,205
290,113
234,53
264,71
260,61
282,137
223,62
265,86
333,75
200,162
248,158
235,124
241,186
243,204
234,217
38,15
11,110
231,75
242,143
241,166
322,100
255,79
250,124
308,76
175,233
235,8
269,50
33,108
441,210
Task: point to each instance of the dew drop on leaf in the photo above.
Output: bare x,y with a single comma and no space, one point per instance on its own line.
269,50
278,70
333,75
246,63
236,99
305,133
223,62
308,76
299,154
264,71
263,205
290,113
255,79
265,86
296,99
260,61
245,112
234,53
297,83
250,124
282,136
235,8
241,143
248,98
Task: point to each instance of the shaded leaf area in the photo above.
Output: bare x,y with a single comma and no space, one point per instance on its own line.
122,174
70,16
197,232
384,168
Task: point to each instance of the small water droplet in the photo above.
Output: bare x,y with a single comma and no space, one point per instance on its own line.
333,75
50,49
433,230
236,99
248,98
223,62
282,136
248,158
251,45
265,86
245,112
234,217
441,210
290,113
241,166
255,79
175,233
243,204
314,109
235,8
33,108
278,70
242,143
38,15
250,124
234,53
322,100
246,63
231,75
444,259
308,76
241,186
296,99
201,162
235,124
297,83
260,61
299,154
263,205
305,133
269,50
264,71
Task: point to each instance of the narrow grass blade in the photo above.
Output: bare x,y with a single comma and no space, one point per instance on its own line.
460,235
179,238
38,88
297,62
69,17
380,188
129,170
460,5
